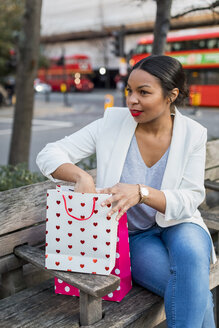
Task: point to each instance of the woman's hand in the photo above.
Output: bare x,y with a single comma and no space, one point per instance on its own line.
124,195
85,184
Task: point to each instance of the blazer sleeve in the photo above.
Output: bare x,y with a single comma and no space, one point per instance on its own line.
70,149
182,203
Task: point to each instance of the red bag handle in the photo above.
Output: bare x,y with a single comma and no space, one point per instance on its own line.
79,219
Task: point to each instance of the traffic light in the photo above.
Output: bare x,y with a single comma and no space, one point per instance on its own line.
118,43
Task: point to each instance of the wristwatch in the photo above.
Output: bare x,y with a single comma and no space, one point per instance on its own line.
143,192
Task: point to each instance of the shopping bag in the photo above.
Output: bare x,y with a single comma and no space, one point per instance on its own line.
122,268
80,237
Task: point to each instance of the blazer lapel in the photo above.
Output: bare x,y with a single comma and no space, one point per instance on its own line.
120,149
176,158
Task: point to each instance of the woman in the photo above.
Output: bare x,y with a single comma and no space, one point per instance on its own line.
151,161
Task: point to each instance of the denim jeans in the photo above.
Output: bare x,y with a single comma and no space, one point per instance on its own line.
174,262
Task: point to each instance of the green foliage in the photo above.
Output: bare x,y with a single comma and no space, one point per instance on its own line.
88,163
17,176
11,13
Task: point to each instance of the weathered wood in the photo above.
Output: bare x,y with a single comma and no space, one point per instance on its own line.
10,262
95,285
211,219
24,206
212,185
33,236
212,154
214,275
90,309
12,282
39,307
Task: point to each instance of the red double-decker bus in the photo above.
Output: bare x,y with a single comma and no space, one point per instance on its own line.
72,71
198,51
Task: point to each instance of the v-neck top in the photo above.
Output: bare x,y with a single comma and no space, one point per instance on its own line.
141,216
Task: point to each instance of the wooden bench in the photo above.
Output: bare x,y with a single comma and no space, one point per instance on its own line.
22,238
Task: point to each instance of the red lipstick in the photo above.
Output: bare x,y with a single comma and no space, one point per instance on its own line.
135,112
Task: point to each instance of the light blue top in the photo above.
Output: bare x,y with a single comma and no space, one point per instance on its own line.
141,216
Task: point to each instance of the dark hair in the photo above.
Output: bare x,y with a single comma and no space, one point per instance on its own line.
170,73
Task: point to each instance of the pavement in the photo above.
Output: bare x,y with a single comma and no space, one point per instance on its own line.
41,109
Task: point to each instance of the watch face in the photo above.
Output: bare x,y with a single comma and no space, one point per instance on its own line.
144,191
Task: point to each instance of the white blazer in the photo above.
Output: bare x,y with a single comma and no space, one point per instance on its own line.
110,137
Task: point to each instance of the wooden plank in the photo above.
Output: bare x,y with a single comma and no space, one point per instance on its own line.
214,274
90,309
95,285
10,262
42,309
33,235
211,219
212,174
212,185
25,206
212,154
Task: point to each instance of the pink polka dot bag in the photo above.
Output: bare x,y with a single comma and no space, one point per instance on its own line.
80,237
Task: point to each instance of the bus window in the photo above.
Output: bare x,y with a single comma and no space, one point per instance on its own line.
201,44
211,43
168,47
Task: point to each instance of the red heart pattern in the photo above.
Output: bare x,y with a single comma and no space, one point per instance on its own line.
70,234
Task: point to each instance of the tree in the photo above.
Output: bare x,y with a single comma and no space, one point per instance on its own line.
162,26
26,71
10,23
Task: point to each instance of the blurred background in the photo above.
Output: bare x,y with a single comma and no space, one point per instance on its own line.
62,63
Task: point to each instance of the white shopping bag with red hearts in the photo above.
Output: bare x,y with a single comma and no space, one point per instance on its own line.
80,237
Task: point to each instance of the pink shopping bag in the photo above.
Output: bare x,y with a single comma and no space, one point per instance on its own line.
122,268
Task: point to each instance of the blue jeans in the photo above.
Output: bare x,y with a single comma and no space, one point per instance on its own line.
174,262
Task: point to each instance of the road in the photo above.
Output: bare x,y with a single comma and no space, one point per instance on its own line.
54,120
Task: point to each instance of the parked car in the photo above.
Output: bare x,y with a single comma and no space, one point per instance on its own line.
42,87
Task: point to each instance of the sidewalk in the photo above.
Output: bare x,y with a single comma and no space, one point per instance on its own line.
41,109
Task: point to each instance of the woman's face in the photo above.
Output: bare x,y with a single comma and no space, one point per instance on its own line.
145,98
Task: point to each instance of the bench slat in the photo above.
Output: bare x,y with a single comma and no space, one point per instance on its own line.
212,154
95,285
210,219
33,236
212,185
